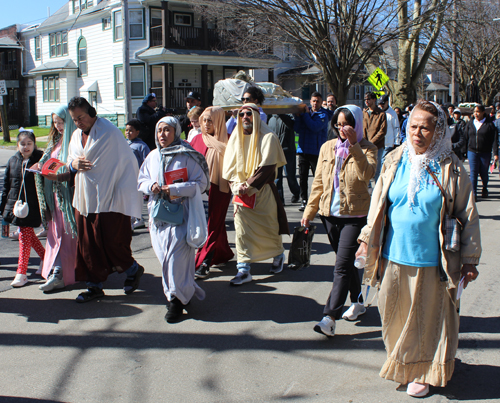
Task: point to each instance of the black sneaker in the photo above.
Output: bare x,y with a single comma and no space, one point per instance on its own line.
202,272
174,312
303,205
484,193
295,199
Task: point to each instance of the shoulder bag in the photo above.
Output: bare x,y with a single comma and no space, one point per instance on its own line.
452,225
21,210
170,213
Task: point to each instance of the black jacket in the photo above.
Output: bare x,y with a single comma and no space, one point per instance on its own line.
458,140
482,141
148,118
12,185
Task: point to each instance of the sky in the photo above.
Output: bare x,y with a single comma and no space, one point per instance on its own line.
27,11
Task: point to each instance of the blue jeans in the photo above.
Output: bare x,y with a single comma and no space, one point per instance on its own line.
479,164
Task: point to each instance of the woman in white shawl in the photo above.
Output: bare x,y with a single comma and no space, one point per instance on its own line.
170,241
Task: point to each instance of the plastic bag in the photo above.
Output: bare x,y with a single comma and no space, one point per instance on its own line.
300,249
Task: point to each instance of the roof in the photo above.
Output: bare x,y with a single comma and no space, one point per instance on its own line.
436,87
53,66
187,56
9,42
62,15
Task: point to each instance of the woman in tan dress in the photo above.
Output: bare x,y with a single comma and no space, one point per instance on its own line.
406,255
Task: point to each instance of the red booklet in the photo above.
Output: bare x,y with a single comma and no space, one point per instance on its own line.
245,201
176,176
51,166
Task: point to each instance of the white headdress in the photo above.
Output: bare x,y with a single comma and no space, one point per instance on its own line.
439,149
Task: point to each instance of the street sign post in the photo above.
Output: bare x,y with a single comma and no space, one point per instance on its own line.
378,78
3,88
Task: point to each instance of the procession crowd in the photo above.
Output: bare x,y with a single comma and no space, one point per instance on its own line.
389,187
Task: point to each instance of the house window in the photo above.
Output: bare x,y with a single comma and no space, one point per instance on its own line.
136,24
106,23
118,26
51,88
119,90
184,19
137,81
38,50
58,44
82,57
81,5
156,18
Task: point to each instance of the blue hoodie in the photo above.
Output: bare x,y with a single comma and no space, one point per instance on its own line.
313,131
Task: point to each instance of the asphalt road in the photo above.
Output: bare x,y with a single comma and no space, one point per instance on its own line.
252,343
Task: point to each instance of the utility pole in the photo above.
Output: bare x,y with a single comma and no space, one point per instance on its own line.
126,62
3,110
454,95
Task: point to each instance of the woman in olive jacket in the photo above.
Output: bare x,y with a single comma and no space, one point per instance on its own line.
340,193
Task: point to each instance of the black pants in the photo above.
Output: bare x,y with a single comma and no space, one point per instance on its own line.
343,234
306,161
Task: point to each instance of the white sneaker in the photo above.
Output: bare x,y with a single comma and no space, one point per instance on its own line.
53,283
326,326
277,266
19,280
354,311
241,278
138,223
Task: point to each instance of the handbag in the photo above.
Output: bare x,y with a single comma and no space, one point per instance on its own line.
21,209
452,225
171,213
300,250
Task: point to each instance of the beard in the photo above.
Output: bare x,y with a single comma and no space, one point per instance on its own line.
248,126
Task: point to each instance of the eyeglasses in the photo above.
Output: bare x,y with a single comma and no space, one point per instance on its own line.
339,125
241,114
246,99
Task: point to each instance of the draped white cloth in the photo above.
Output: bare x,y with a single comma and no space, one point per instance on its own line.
111,184
169,241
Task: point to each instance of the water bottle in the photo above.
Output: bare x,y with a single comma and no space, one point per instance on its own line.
360,262
5,229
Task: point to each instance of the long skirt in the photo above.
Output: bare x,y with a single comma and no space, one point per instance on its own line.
61,243
420,324
217,244
103,246
177,260
257,230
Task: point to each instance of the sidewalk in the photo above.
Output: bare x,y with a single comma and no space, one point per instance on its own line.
252,343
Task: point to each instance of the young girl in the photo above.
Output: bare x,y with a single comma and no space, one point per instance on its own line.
57,213
26,156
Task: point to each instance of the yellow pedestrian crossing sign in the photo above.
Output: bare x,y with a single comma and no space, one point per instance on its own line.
378,78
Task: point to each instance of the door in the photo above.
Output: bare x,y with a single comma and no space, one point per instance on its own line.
32,112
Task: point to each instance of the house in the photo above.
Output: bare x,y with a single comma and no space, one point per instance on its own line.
79,51
11,71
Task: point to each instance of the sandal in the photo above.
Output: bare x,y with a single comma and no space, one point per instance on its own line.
132,283
90,294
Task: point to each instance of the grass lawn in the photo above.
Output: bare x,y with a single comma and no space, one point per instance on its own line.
39,132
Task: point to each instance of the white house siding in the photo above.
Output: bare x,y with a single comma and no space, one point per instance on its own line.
102,56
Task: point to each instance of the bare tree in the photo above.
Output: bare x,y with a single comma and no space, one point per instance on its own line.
478,50
340,37
419,28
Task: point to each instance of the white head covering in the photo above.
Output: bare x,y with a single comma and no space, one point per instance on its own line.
439,149
172,122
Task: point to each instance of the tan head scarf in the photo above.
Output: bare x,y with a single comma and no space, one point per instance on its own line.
240,162
216,145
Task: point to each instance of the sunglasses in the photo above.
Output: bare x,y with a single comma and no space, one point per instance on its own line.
246,99
241,114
